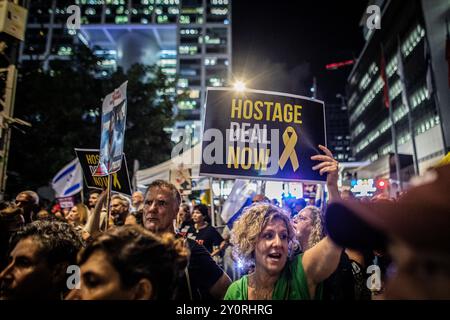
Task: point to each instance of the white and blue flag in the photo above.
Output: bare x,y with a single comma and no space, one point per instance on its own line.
68,181
240,197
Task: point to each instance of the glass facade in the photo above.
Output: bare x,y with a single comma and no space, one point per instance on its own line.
190,39
370,125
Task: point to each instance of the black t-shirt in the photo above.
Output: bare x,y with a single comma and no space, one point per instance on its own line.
347,282
185,226
207,236
203,274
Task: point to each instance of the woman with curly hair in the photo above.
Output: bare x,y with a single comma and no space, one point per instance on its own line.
348,281
131,263
263,236
308,226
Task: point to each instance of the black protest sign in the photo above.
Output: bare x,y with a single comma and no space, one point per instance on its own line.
262,135
120,180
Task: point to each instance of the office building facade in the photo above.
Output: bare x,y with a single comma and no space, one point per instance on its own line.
338,136
419,31
190,39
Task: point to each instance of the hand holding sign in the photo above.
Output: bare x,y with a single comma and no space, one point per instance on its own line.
330,166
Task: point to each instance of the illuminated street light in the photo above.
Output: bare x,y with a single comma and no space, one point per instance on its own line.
239,86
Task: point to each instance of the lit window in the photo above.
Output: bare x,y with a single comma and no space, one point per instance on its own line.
219,11
210,61
216,82
184,19
412,40
121,19
162,19
173,10
183,83
194,94
191,50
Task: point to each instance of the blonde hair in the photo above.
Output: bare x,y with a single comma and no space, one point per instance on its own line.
248,227
317,230
83,212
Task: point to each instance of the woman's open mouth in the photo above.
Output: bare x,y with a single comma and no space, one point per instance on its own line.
275,257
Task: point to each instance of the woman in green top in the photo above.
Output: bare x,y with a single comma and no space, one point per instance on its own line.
263,236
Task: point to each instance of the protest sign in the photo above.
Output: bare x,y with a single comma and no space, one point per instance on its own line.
66,202
262,135
89,159
181,177
114,112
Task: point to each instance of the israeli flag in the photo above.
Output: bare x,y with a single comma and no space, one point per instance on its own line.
240,197
68,181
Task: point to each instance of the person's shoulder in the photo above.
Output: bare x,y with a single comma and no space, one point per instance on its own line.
196,249
213,230
236,289
295,264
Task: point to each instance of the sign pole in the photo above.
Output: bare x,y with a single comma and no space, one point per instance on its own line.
211,193
108,202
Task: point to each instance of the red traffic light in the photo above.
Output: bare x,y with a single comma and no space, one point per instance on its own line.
381,184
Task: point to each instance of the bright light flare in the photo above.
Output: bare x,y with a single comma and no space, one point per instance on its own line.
239,86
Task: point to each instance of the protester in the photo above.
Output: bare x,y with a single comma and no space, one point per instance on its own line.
260,198
28,201
288,204
298,206
11,220
184,218
203,232
309,227
137,200
65,213
130,263
78,215
120,209
205,280
263,236
39,256
228,262
42,215
348,281
416,227
135,218
275,202
92,201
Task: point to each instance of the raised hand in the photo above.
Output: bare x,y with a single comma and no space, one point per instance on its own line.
330,166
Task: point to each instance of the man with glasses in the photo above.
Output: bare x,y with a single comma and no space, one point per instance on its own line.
120,209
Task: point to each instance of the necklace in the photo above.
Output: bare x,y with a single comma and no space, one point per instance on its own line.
198,228
257,291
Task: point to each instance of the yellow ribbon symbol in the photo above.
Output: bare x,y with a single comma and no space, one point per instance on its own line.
289,149
116,182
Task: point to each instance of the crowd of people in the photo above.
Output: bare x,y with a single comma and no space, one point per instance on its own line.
156,246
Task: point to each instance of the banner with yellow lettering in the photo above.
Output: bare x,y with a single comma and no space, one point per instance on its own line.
120,180
261,135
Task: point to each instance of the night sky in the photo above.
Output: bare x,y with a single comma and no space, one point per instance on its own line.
280,45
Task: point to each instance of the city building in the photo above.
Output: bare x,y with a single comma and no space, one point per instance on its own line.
338,136
418,29
189,39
